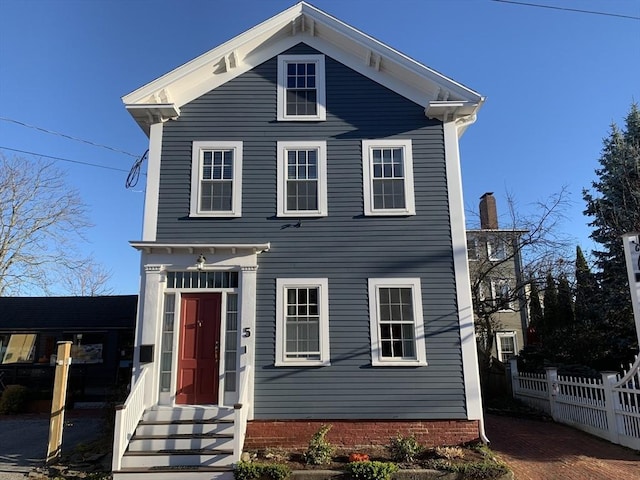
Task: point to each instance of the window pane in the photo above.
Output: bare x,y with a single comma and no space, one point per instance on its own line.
302,323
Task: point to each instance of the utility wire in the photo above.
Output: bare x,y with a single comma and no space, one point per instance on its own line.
567,9
51,132
64,159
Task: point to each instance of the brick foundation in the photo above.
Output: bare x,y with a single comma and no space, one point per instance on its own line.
295,434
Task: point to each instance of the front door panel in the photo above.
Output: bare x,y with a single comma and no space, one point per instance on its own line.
198,376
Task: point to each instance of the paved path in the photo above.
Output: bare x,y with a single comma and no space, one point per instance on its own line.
544,450
23,439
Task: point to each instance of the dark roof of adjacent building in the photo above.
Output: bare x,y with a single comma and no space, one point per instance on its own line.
88,313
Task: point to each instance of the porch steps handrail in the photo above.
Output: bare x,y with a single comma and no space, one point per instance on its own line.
128,416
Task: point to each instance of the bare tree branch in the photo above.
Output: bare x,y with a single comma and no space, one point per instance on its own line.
42,222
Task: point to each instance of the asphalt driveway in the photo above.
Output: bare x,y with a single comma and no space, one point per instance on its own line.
24,438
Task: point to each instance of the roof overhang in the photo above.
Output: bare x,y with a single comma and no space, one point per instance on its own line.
162,98
176,248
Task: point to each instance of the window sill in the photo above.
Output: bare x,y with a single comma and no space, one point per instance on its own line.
215,215
399,363
390,213
303,215
302,119
314,363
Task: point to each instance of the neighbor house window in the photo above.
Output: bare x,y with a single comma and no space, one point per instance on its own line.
216,179
302,321
472,248
397,327
501,294
388,177
496,248
507,345
301,92
17,348
302,179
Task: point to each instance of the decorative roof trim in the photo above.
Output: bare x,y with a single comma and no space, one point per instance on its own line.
300,23
233,248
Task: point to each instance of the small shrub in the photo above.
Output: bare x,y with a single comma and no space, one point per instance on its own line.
358,457
276,471
371,470
404,449
13,399
255,471
449,452
247,471
320,450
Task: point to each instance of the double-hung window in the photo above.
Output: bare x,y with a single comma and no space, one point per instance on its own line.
387,166
301,92
507,345
302,322
216,179
302,179
501,294
496,248
397,326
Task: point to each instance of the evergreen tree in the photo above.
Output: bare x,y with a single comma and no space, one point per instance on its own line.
614,206
587,292
536,319
565,303
550,301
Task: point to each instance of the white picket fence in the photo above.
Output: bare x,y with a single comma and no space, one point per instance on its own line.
608,407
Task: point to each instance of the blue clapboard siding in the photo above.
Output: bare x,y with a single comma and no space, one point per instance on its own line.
345,247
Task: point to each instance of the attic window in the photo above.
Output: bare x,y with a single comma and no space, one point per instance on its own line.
301,89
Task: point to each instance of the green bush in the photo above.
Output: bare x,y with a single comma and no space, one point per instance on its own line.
320,450
404,449
371,470
13,399
255,471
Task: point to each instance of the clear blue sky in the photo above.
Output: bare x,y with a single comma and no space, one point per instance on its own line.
554,82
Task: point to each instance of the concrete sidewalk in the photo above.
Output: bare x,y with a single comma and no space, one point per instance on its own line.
24,438
544,450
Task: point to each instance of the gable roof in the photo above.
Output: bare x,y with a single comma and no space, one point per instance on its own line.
56,313
161,99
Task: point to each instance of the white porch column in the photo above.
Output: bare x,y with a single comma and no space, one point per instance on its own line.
150,330
248,331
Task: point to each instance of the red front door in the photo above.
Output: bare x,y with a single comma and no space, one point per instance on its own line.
199,349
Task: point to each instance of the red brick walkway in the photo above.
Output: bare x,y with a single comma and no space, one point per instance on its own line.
543,450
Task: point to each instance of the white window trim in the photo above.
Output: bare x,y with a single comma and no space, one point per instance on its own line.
196,162
320,88
322,210
500,335
281,285
416,293
406,145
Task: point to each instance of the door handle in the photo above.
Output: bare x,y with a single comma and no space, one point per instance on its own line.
217,351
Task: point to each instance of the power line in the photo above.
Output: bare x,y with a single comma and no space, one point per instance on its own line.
64,159
51,132
592,12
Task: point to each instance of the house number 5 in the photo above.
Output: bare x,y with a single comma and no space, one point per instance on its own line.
246,332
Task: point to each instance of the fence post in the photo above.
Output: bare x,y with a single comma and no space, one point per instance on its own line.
512,372
609,379
552,389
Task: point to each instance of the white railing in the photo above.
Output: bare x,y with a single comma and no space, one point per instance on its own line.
608,407
127,417
241,411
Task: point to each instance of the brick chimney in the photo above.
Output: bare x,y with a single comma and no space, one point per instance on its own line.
488,212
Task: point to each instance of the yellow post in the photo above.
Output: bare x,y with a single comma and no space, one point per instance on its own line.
59,399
